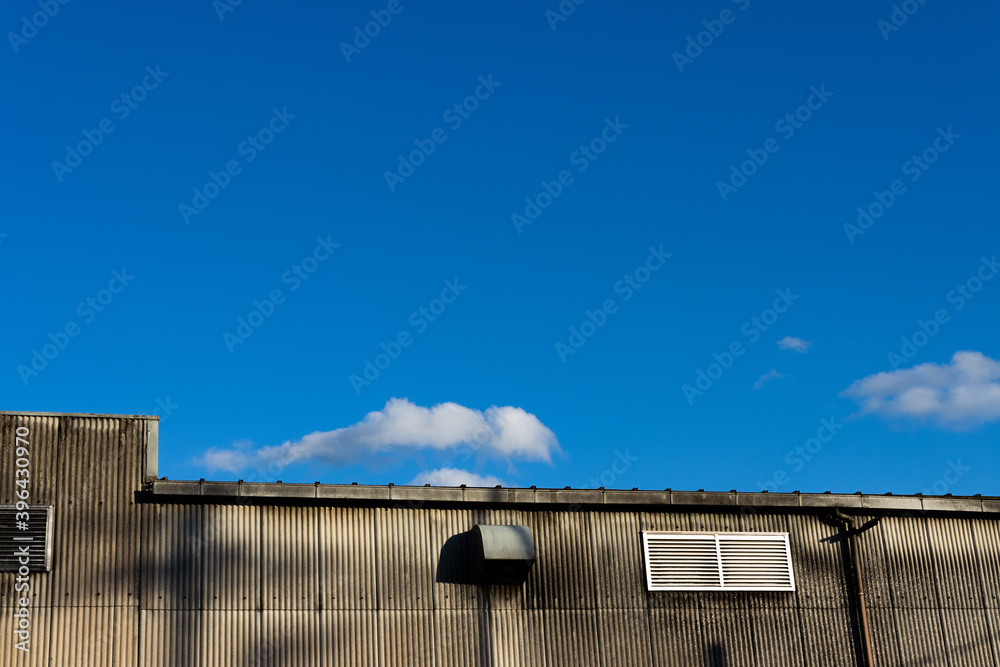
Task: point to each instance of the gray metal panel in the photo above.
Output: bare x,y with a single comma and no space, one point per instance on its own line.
910,569
230,557
171,559
986,535
921,641
727,637
452,557
347,558
827,638
676,638
777,639
620,582
405,565
348,638
818,563
290,638
461,637
563,575
516,639
624,635
967,637
406,637
956,566
571,637
289,558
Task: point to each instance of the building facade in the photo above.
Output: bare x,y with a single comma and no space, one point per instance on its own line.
132,570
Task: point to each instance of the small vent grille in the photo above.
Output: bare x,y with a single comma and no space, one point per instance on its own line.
718,562
35,533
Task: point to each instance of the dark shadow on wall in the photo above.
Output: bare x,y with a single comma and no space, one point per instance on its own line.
455,561
715,657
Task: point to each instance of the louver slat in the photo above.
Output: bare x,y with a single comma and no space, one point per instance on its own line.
718,561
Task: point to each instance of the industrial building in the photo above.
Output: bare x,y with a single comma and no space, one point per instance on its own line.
127,569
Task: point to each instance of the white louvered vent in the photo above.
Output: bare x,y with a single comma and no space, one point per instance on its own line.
718,561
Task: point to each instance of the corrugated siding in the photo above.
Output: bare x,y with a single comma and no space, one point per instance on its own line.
347,561
571,637
563,575
230,556
406,637
290,550
404,564
85,611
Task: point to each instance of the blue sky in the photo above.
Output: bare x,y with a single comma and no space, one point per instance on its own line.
178,164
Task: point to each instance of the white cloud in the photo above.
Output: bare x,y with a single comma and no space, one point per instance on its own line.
793,343
455,477
402,430
956,395
767,377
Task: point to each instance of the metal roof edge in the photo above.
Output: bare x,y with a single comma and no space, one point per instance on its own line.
415,496
85,415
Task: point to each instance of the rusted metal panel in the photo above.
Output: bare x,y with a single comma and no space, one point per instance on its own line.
404,562
347,558
563,575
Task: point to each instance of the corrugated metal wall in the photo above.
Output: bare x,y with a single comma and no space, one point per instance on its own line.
175,584
86,610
